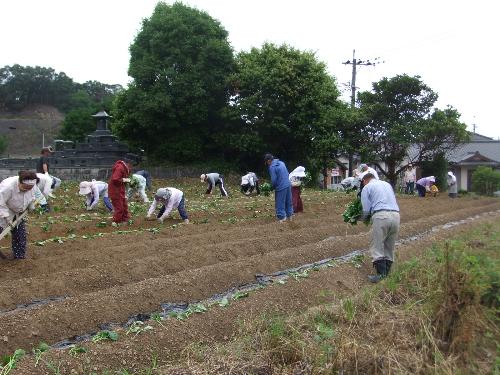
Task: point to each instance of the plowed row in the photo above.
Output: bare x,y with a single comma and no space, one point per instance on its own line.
110,278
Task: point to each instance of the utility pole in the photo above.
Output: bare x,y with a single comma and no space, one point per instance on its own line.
354,64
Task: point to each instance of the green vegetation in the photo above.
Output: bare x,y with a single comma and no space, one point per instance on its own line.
180,62
485,181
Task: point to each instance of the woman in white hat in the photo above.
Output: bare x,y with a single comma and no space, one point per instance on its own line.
16,196
171,198
296,177
452,185
92,191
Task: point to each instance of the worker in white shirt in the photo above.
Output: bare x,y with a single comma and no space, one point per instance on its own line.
249,182
171,198
364,168
44,188
92,191
17,196
139,188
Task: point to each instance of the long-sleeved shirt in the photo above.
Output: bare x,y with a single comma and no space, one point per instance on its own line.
98,188
425,181
116,186
250,178
13,201
376,196
279,175
45,184
410,175
452,184
212,178
172,203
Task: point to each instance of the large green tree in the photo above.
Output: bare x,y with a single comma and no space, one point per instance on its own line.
180,61
282,96
401,122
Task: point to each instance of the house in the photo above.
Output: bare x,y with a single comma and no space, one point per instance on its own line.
480,151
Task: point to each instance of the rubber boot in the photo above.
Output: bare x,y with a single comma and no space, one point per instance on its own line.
388,264
107,203
380,267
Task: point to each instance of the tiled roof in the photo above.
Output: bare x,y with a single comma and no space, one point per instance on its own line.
489,149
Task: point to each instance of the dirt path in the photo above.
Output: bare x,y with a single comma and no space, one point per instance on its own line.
167,342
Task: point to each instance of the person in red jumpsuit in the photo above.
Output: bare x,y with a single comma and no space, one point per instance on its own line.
116,191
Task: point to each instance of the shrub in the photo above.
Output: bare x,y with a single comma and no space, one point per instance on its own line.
485,181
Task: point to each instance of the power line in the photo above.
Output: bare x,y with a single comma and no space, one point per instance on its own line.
355,63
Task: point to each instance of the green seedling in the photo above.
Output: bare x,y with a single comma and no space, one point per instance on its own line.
198,308
9,362
358,260
138,327
239,295
299,275
105,335
38,352
224,302
101,224
45,227
75,350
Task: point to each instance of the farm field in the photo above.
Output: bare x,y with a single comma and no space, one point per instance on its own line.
83,275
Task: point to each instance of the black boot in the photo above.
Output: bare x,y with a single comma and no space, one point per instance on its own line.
388,264
380,266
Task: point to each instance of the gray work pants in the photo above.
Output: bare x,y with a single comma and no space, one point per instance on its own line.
384,234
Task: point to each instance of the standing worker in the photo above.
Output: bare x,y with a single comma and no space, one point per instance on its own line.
409,178
171,198
379,202
452,185
92,191
116,189
424,185
280,183
42,165
296,177
214,179
249,182
17,196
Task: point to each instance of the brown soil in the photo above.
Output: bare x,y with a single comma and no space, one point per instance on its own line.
111,278
168,343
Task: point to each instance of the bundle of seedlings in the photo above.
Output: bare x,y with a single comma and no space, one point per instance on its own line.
266,188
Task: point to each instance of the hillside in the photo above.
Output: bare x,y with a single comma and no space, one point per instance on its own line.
24,130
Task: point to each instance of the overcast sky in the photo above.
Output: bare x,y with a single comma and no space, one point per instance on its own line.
452,45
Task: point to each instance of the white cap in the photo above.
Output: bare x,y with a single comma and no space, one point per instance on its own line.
85,188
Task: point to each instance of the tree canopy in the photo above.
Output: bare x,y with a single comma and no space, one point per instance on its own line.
281,98
400,113
21,86
180,61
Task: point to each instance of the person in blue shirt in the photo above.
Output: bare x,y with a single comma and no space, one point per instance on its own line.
379,202
281,186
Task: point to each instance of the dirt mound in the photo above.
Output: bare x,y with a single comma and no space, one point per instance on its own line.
24,130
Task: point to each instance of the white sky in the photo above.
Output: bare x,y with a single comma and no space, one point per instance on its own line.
452,44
